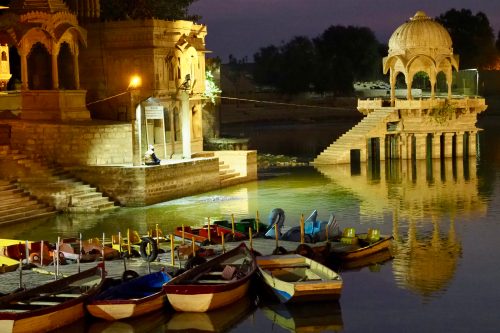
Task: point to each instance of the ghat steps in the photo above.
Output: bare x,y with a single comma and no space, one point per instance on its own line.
53,185
356,138
17,205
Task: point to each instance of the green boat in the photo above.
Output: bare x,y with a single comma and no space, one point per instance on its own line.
241,225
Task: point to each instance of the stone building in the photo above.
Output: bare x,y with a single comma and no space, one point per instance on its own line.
76,106
410,129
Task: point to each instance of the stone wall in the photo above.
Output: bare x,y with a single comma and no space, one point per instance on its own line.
78,143
147,185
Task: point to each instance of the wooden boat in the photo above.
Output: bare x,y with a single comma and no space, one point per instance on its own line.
361,248
132,298
295,278
213,284
242,225
306,317
51,305
201,235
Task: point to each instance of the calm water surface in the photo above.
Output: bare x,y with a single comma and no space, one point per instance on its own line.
445,218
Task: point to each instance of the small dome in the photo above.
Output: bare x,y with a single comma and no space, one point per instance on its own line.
420,32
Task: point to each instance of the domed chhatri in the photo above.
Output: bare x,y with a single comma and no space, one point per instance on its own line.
420,45
408,129
421,32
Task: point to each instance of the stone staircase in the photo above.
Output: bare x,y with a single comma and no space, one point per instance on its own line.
356,138
17,205
228,176
55,186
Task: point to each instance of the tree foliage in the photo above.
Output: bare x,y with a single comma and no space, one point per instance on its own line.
115,10
328,63
472,36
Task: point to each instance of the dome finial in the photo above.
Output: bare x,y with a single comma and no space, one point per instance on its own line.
420,15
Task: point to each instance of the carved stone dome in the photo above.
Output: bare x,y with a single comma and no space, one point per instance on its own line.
420,32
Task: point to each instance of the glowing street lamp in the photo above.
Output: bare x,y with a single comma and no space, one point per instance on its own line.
135,119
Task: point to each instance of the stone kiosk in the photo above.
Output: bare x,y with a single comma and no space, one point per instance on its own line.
409,129
96,124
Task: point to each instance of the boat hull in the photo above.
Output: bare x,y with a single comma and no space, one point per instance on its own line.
204,302
44,322
355,253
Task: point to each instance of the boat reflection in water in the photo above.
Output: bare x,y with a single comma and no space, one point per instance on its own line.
424,198
219,320
305,317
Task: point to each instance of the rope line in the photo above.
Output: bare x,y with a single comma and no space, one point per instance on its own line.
105,99
280,103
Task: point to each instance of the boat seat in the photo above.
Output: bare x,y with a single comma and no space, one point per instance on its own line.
213,281
44,303
66,295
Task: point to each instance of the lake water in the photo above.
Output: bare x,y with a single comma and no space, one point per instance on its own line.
445,217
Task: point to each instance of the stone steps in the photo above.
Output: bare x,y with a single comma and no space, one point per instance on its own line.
227,175
339,151
57,187
17,205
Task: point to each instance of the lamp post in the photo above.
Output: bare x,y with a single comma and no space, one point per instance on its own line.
184,91
135,120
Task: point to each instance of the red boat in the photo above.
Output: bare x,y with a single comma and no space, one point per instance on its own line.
201,235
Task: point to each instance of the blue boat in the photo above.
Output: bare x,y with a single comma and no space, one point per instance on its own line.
131,298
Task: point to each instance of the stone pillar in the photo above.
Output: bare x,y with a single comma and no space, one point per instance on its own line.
55,72
392,82
460,144
448,144
24,72
421,145
382,148
404,146
433,86
408,88
136,128
472,143
436,145
186,124
76,69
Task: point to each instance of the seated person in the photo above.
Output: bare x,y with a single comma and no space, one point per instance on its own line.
150,157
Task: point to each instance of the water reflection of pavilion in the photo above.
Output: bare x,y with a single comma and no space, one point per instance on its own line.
424,198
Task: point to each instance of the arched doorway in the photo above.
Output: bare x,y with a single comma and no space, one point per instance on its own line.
66,68
39,68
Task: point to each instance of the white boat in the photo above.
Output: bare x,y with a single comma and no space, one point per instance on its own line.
295,278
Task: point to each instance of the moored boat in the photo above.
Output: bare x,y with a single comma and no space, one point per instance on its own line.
132,298
213,284
360,246
295,278
49,306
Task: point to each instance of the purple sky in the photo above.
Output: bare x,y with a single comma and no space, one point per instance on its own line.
241,27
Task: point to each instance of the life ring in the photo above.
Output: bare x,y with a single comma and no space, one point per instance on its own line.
305,250
34,258
129,275
194,261
148,249
280,250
